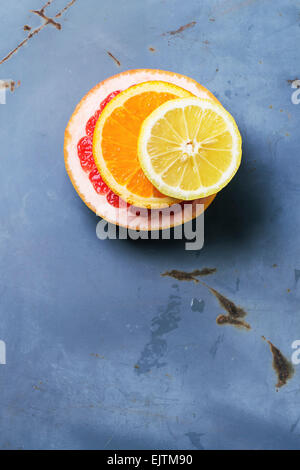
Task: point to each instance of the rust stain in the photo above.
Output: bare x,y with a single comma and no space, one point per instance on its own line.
235,317
238,6
5,84
283,368
11,53
61,12
189,276
235,314
232,310
181,29
37,387
46,18
114,58
47,4
228,320
290,82
11,84
152,49
36,31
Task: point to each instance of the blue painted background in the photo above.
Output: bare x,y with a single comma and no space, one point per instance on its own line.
77,314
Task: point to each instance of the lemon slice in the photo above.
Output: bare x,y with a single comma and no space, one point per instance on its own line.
189,148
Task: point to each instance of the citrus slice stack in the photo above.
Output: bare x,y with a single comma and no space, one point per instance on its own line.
101,148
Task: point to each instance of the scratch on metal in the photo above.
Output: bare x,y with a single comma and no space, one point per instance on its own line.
47,20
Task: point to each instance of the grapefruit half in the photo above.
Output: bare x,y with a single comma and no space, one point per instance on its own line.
84,176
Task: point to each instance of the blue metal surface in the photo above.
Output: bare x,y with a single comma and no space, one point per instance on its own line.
78,314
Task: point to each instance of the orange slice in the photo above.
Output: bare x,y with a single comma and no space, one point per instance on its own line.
116,137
